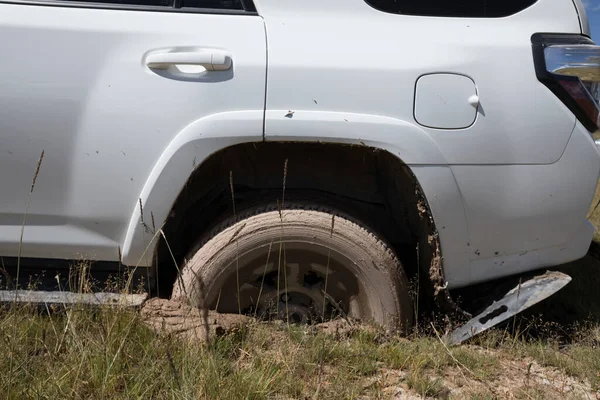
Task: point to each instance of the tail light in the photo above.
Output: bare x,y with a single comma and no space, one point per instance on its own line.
569,65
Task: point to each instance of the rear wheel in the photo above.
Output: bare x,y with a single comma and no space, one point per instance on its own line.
300,265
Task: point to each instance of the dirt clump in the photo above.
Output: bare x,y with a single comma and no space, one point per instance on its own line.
339,328
184,321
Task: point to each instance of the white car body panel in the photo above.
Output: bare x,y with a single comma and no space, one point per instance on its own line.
116,133
540,224
585,24
82,93
520,125
375,73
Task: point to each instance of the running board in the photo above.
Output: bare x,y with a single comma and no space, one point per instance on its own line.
70,298
518,299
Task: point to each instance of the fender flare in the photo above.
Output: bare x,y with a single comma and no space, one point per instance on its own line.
414,147
208,135
188,149
403,139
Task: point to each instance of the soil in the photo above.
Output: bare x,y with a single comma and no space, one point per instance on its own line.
174,318
523,379
514,379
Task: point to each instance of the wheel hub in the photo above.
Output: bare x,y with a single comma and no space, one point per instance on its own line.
307,288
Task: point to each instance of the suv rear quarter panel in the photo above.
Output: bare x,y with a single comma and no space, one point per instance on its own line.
348,57
343,60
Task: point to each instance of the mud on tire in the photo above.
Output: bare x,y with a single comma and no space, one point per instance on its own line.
299,264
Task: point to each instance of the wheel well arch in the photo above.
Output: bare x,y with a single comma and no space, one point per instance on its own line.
370,184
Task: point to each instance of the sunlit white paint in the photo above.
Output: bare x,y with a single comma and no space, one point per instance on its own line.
76,84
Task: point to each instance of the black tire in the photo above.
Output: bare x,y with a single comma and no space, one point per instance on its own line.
316,251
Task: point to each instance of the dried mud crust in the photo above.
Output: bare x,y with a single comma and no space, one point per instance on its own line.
187,322
181,320
432,257
374,262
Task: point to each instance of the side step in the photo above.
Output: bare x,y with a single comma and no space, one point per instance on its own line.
520,298
69,298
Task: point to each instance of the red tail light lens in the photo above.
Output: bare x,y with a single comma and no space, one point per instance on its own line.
569,65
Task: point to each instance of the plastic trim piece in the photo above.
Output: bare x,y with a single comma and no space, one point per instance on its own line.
516,300
429,10
175,7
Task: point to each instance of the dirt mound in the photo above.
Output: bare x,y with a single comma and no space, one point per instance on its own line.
171,317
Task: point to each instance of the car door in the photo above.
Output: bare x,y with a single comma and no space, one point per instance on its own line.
103,88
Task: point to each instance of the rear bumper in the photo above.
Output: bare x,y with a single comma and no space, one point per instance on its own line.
575,248
524,217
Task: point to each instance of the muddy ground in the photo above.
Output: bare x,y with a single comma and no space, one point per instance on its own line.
557,318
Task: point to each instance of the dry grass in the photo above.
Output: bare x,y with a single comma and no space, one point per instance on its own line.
79,352
84,353
594,214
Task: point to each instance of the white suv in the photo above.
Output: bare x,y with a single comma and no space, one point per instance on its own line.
299,157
